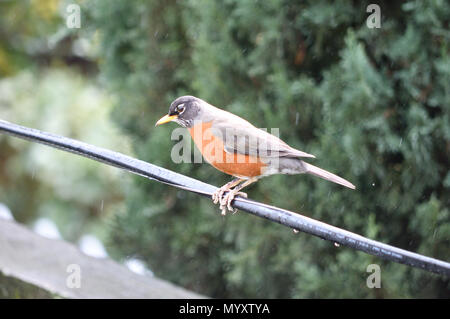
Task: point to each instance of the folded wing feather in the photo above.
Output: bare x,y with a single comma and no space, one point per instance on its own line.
244,138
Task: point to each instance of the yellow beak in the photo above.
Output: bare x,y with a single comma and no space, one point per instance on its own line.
166,119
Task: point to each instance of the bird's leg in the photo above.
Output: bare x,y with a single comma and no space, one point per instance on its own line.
228,198
217,195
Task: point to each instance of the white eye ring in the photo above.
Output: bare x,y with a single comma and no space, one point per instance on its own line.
181,108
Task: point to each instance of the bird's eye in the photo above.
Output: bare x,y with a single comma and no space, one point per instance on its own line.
180,108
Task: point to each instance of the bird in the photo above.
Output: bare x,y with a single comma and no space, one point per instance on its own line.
236,147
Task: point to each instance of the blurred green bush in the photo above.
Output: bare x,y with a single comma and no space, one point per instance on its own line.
37,181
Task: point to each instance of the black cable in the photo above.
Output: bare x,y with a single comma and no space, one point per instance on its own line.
275,214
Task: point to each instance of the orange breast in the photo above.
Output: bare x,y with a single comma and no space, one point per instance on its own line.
213,151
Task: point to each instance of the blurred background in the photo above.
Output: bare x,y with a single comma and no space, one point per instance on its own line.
371,103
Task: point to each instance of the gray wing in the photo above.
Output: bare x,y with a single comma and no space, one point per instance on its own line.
244,138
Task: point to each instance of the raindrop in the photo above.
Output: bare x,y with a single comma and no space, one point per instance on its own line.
297,116
101,205
138,266
401,141
46,228
92,246
373,184
5,213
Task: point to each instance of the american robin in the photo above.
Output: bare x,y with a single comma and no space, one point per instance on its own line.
236,147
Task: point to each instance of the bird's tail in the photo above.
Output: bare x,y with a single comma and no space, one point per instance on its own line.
314,170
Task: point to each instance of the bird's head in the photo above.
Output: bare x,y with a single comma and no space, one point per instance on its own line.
184,111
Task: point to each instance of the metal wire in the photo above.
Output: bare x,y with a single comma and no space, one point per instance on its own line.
275,214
